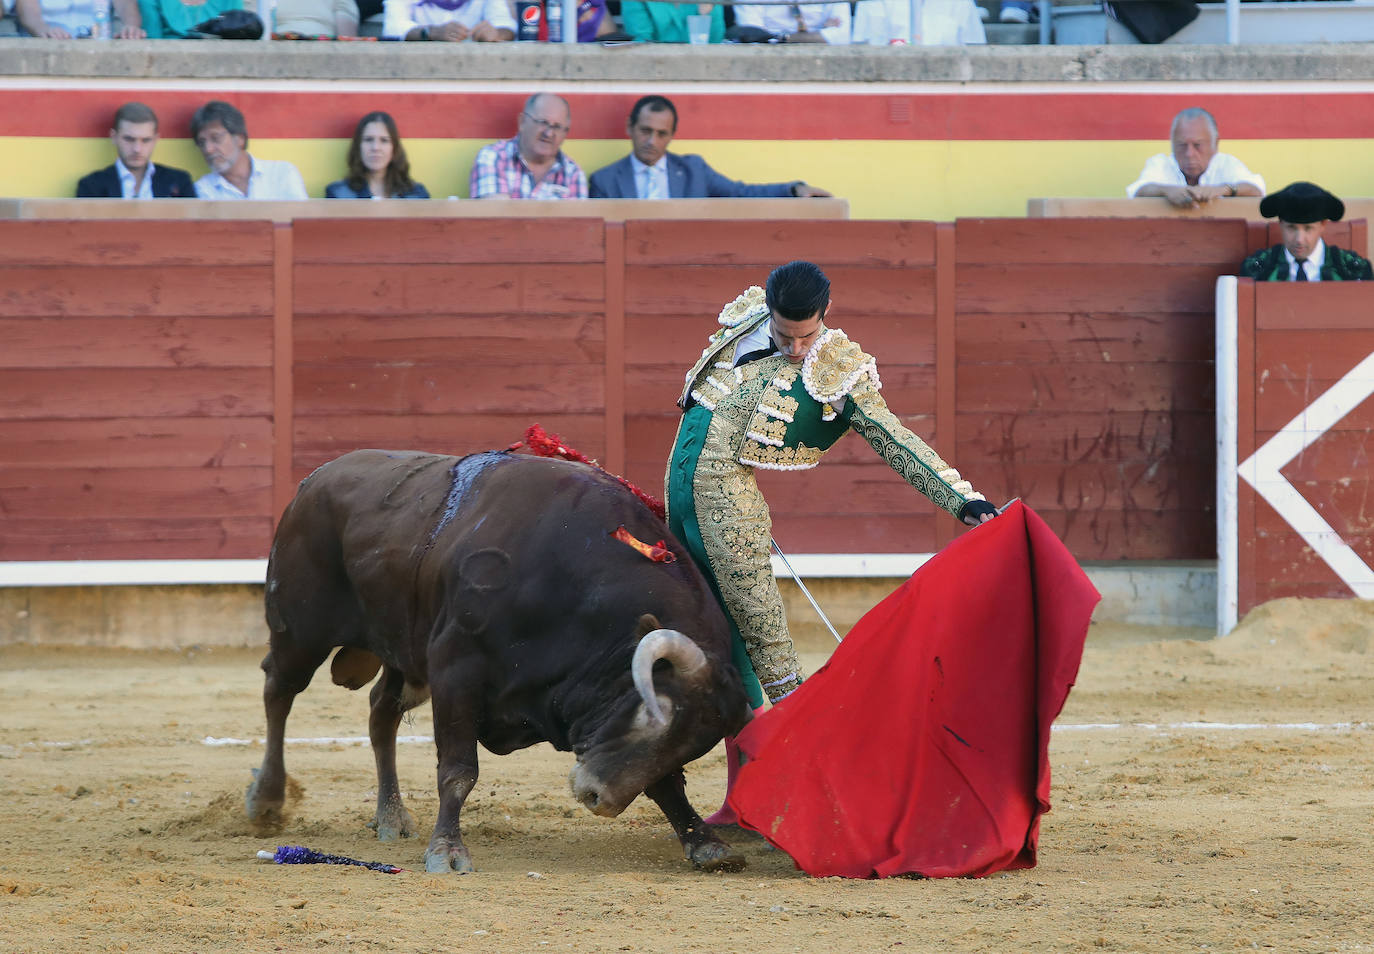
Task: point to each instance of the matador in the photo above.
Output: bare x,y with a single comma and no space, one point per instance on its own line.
775,389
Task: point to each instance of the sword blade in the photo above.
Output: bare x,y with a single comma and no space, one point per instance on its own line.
805,592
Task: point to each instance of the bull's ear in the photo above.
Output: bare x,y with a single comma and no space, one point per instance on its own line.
646,625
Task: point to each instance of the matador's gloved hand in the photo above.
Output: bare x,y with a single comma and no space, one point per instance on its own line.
974,512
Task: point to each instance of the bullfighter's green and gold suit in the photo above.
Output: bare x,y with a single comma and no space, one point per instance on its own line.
773,414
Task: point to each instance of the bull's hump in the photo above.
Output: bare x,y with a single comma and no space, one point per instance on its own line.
462,475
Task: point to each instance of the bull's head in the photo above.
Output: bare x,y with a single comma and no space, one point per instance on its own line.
672,724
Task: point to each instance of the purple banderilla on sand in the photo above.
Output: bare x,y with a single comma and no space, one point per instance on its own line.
300,855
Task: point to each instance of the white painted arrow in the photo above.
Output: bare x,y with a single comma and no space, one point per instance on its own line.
1263,472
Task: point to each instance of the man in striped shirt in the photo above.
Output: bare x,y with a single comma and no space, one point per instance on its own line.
531,165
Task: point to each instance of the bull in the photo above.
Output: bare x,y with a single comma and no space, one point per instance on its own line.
495,585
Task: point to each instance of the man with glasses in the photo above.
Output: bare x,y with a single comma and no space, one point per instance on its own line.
531,165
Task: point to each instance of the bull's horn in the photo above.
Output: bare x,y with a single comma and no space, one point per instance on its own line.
685,655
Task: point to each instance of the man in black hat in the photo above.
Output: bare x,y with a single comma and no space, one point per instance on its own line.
1303,209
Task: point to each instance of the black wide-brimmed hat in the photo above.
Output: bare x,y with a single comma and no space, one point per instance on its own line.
1302,202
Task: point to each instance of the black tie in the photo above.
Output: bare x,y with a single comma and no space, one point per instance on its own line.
1301,275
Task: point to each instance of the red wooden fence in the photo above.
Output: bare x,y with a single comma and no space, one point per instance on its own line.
1294,346
163,385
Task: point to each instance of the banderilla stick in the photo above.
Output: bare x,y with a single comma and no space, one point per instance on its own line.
805,592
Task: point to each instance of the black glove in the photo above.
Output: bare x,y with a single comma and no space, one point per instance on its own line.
975,509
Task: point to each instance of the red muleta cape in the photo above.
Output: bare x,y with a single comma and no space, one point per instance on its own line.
921,747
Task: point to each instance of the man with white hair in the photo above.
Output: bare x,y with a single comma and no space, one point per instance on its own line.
1195,172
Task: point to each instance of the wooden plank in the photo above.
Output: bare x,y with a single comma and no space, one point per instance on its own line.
1246,498
141,392
1285,557
137,492
855,292
1311,307
135,342
410,241
444,339
1101,241
137,442
1093,534
659,339
1013,288
449,289
1285,400
751,243
1086,336
283,367
91,243
830,533
614,331
1013,388
141,538
1343,504
1086,435
531,388
461,433
220,290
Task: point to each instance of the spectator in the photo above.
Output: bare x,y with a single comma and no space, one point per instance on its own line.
133,175
531,165
75,19
650,22
221,135
592,21
487,21
1196,172
943,23
1303,209
176,19
377,164
317,18
804,23
652,172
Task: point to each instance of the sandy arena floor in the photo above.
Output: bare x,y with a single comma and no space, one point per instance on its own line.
124,830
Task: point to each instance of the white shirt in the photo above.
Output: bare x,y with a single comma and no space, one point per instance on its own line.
1163,168
269,179
756,340
144,190
651,182
399,17
1313,265
943,22
783,19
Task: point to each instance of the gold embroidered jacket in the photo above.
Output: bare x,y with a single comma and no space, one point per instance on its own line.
790,420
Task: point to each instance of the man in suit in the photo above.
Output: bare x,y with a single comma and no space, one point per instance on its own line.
133,175
652,172
1303,209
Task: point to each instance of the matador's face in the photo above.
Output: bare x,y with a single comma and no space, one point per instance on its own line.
795,338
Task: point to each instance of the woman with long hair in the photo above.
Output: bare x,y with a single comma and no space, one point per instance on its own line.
377,164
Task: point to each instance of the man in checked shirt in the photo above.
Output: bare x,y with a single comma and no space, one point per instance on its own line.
531,165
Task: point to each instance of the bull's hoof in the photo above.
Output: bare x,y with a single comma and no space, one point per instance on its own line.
263,809
390,826
715,855
452,861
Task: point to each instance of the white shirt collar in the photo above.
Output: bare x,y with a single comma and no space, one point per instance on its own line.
658,170
126,181
1314,262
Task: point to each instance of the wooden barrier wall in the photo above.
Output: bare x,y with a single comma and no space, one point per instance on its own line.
1292,349
165,384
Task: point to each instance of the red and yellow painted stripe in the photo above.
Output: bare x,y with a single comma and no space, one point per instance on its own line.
932,151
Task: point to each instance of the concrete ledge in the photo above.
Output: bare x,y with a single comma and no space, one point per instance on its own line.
526,65
180,617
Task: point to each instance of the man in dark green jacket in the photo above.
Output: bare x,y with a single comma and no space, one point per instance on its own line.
1303,209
